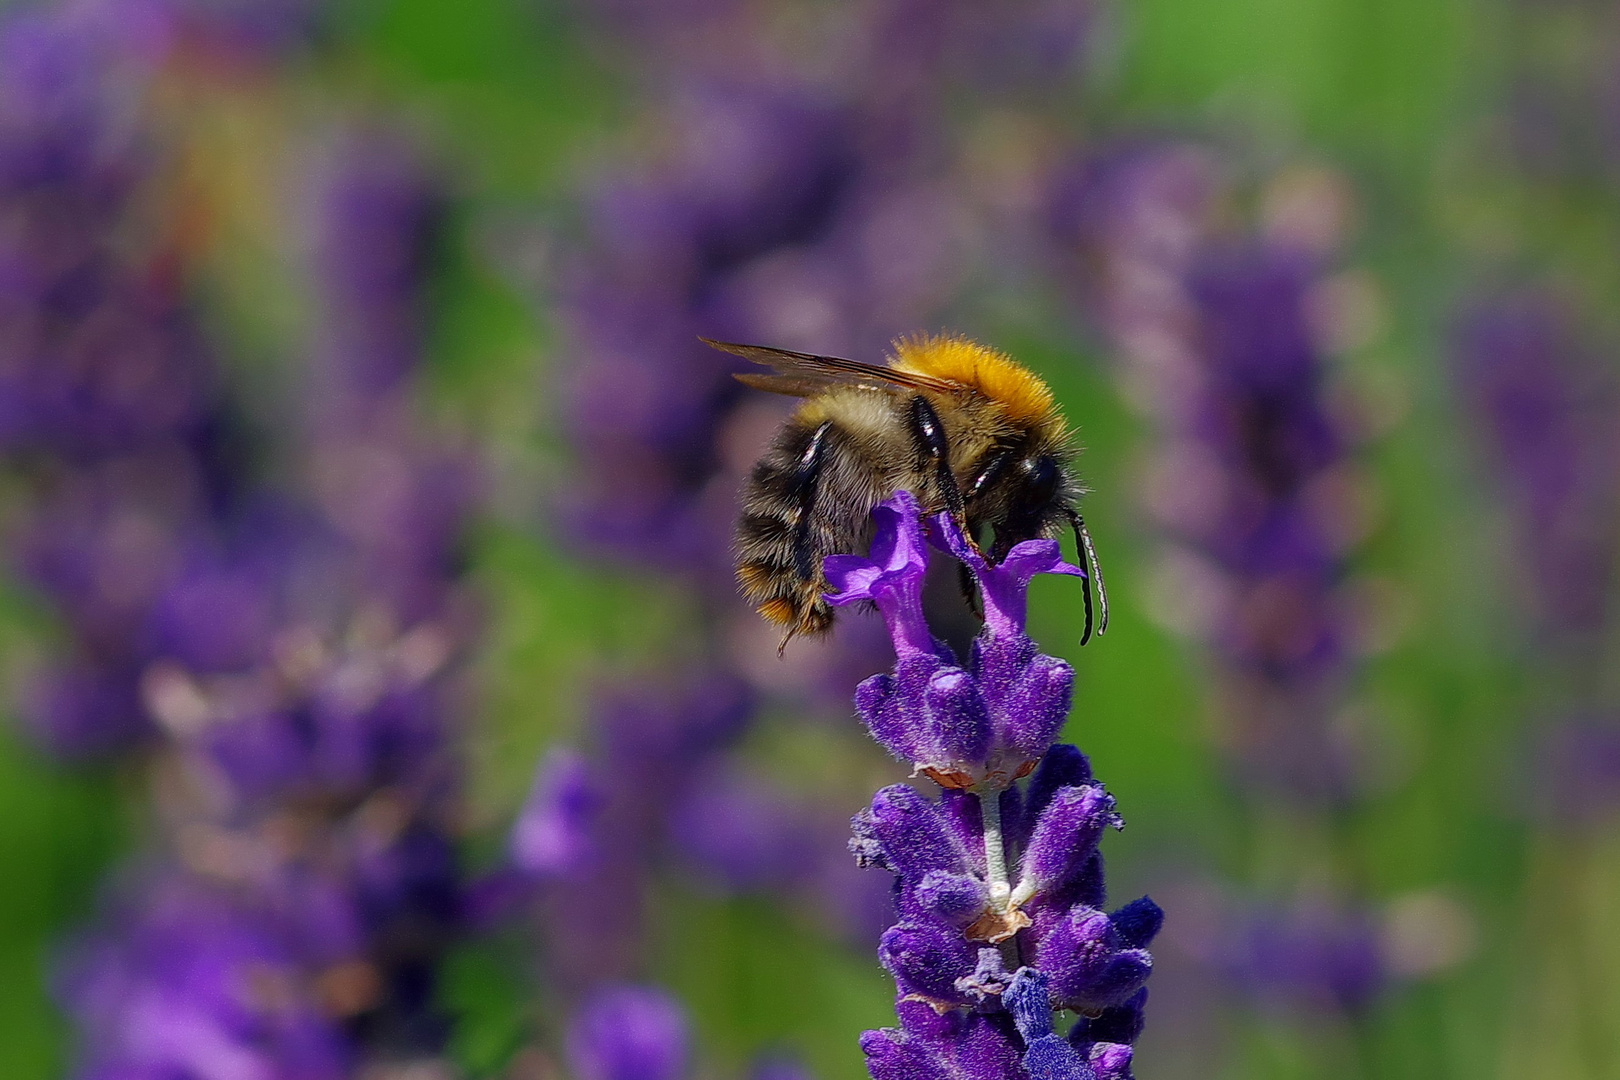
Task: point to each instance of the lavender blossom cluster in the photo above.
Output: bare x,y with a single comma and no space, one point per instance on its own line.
1253,483
110,414
1252,479
1545,406
999,887
278,656
1546,409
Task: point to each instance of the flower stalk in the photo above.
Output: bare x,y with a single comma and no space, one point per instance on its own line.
995,853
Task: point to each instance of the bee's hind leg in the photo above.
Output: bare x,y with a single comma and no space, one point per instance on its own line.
801,489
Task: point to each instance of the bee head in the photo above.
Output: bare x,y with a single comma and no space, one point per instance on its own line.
1028,493
1025,497
1041,478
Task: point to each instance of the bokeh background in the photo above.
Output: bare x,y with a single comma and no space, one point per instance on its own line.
376,696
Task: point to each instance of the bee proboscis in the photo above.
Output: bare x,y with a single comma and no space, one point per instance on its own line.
963,427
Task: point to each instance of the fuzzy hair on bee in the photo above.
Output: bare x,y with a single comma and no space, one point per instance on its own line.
964,427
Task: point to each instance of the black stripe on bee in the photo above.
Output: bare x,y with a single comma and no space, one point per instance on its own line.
805,479
778,524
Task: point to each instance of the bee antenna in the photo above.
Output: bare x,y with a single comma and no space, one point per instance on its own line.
1082,541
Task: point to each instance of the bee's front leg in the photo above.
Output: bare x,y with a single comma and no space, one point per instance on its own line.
933,449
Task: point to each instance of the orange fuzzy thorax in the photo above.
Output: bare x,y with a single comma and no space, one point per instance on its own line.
993,373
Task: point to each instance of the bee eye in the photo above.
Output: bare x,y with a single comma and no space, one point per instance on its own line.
1041,479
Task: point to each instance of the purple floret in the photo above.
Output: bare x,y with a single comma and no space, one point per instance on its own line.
890,576
195,984
953,1045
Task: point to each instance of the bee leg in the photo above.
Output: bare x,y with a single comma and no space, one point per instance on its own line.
934,453
1082,541
802,489
970,590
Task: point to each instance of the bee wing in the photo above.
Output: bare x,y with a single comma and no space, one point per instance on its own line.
801,374
791,385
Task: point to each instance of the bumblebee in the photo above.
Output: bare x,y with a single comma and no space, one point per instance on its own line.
963,427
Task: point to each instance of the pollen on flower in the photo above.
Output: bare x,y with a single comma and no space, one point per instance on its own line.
994,927
995,374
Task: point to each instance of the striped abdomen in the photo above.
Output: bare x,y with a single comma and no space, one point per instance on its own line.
810,496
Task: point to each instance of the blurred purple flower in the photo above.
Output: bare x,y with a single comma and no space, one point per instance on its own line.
628,1033
96,354
778,1067
1125,225
1252,477
1314,952
552,834
1547,411
383,214
389,485
1263,426
740,832
84,707
296,666
652,746
109,399
1308,955
195,985
1253,485
1575,769
1545,406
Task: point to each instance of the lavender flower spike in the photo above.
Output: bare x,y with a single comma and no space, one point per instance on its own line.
999,888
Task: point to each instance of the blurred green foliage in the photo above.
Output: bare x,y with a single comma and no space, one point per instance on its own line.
58,832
